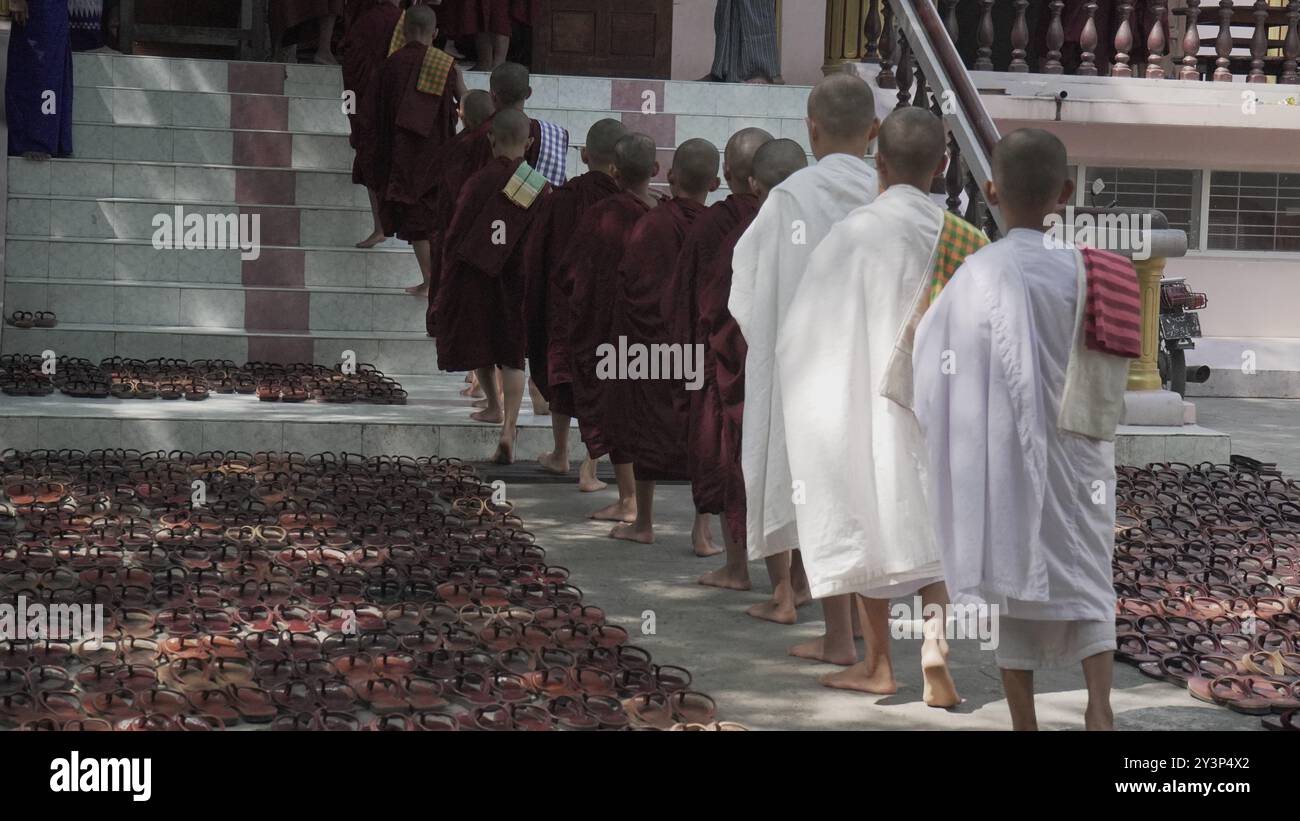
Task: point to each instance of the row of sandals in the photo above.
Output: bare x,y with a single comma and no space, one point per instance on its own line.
170,379
322,592
1207,570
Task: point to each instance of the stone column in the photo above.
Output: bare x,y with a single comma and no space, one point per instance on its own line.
1144,372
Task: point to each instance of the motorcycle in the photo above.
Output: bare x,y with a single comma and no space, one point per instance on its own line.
1179,327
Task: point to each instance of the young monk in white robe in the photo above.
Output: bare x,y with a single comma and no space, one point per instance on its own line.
767,265
844,364
1019,415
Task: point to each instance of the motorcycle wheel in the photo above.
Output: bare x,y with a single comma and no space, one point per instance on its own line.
1178,371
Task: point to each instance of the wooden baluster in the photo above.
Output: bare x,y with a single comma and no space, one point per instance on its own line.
1191,69
886,77
919,96
1156,41
903,74
1259,43
1123,43
1223,43
871,30
1088,42
984,37
950,20
1019,39
1055,38
952,177
973,200
1291,49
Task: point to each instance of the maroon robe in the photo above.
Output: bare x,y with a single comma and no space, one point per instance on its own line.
411,130
546,307
726,350
480,307
695,285
484,17
647,414
364,50
588,278
285,15
464,155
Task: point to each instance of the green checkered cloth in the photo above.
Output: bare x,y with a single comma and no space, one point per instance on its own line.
525,185
436,67
958,240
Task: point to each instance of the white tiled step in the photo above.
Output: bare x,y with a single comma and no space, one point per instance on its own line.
103,141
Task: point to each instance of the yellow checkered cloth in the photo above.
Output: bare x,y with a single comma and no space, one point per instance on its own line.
958,240
525,185
436,67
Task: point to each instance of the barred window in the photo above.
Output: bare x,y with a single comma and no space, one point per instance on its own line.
1173,192
1254,211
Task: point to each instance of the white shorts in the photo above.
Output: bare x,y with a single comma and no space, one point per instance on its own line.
1030,644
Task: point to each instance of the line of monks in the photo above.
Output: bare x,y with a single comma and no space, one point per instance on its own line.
887,405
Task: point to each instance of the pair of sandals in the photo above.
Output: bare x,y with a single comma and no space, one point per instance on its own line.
28,319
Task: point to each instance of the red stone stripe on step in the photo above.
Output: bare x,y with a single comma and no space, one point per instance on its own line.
630,95
255,78
265,187
282,349
263,148
665,157
279,226
663,127
277,311
266,113
276,267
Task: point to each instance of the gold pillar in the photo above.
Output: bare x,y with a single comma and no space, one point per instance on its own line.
845,35
1144,372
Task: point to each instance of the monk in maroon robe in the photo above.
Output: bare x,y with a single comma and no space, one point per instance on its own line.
411,112
546,305
587,278
645,409
480,309
364,50
294,21
686,290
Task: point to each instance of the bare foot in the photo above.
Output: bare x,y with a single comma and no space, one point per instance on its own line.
815,650
487,415
861,678
325,60
587,481
939,689
418,290
371,241
704,547
725,578
505,452
630,532
620,511
774,611
36,156
556,463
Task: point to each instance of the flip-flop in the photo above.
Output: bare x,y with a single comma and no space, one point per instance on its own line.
22,319
45,319
1286,722
1238,694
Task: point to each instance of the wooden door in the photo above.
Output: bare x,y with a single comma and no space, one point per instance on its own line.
604,38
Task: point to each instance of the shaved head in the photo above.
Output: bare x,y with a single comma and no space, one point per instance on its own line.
695,166
601,139
843,107
739,156
509,84
511,128
913,146
1029,169
476,108
634,157
421,23
776,160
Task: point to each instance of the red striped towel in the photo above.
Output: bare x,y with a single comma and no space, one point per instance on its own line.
1113,313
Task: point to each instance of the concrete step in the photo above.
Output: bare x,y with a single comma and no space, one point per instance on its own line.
390,351
212,146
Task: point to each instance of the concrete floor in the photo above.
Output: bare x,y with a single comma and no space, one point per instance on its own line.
742,662
1265,429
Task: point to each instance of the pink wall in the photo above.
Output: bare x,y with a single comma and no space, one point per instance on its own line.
803,47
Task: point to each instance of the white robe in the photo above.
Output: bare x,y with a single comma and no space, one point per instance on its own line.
1024,509
768,263
863,526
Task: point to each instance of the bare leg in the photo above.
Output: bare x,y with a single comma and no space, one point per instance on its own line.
624,510
557,461
836,646
1019,687
799,580
424,257
939,689
702,537
483,52
1098,672
781,607
377,233
642,528
540,406
471,388
324,52
734,575
588,482
875,673
500,49
487,379
513,391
